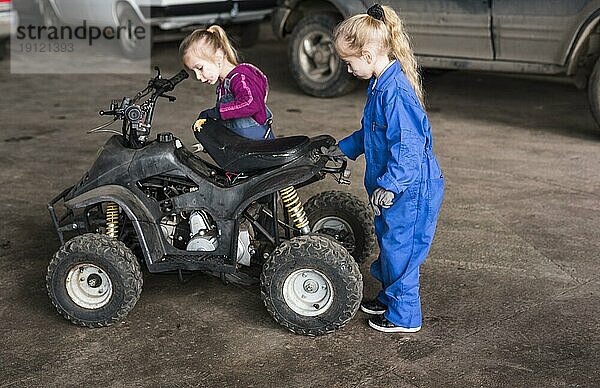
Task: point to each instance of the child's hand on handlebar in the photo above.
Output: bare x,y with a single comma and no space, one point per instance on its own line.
197,126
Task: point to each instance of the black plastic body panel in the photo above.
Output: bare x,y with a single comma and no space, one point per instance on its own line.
114,177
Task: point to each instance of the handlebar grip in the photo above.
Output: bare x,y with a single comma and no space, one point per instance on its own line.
177,78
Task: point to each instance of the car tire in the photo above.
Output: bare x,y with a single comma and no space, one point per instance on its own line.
244,35
314,65
594,92
4,48
311,285
345,218
94,280
48,14
131,47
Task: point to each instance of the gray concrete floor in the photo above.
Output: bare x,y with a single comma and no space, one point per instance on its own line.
510,289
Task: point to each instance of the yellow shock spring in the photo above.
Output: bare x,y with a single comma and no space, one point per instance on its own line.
112,220
294,207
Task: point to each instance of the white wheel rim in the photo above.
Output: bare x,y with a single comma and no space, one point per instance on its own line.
88,286
308,292
337,228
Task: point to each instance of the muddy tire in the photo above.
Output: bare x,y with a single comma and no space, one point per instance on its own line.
314,65
344,217
94,280
311,285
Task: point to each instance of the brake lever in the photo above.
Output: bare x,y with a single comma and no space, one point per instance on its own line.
171,98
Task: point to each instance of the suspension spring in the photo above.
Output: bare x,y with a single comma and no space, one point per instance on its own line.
294,207
112,219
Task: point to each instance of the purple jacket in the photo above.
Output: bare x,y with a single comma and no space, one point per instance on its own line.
249,88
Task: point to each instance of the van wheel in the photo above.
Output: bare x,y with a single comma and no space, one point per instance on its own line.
594,92
48,14
244,35
132,46
4,48
314,64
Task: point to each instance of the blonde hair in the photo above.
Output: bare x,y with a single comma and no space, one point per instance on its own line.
215,38
389,33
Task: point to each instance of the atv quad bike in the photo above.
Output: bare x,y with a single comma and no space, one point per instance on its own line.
156,204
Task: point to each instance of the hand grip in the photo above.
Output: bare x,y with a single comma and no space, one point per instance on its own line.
177,78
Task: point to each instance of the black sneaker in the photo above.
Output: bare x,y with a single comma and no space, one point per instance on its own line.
380,323
374,307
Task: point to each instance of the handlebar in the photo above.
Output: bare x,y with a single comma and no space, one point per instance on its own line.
177,78
162,85
137,116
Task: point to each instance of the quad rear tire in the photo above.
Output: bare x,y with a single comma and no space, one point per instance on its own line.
311,285
345,218
94,280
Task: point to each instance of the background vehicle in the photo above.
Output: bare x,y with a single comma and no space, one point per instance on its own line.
164,16
240,220
558,37
8,17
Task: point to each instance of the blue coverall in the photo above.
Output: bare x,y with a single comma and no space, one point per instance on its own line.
395,137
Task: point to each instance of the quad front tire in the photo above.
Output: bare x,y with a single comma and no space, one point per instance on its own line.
311,285
94,280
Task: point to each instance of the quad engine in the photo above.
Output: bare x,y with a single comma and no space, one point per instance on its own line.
195,231
198,232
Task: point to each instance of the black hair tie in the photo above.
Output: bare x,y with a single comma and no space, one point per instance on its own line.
376,11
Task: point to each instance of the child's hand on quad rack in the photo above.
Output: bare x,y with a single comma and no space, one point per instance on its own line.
334,152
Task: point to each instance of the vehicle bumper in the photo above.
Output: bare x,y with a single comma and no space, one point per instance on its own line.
168,19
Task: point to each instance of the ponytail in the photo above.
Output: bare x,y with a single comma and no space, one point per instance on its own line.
400,48
380,25
215,38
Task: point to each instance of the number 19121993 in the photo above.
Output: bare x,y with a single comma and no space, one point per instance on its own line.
45,47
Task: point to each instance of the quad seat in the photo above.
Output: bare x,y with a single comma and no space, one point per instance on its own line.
236,153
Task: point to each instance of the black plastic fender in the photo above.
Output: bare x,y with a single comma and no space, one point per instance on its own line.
149,233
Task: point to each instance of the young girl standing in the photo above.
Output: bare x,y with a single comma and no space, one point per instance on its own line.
242,88
403,178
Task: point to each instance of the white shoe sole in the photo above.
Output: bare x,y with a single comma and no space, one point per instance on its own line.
369,311
396,329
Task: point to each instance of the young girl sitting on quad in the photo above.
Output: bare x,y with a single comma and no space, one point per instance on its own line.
242,88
